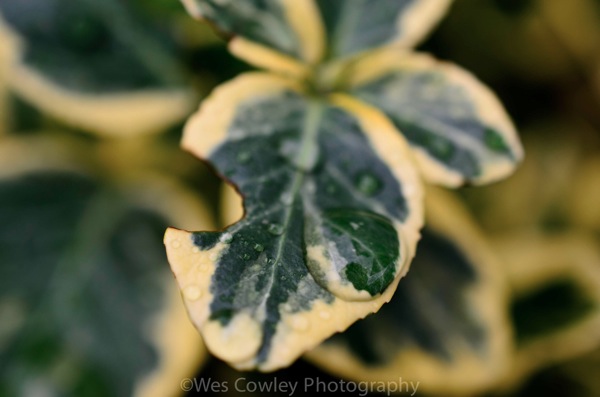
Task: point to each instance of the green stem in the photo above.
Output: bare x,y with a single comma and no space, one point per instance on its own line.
309,146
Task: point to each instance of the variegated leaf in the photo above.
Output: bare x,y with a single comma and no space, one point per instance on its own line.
87,306
446,325
459,130
274,34
356,26
555,307
333,211
106,66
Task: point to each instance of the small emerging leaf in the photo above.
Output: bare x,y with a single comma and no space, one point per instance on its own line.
458,128
262,21
274,34
355,26
332,207
446,325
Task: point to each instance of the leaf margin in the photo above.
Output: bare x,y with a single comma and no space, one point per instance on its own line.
180,350
194,269
534,260
444,211
303,19
123,114
487,106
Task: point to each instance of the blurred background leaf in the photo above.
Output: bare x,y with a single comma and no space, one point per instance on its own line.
88,305
109,67
541,56
446,325
555,307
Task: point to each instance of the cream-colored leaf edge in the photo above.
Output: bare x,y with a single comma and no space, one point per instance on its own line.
206,129
180,349
418,22
487,106
534,260
395,152
239,342
304,20
265,58
467,374
108,115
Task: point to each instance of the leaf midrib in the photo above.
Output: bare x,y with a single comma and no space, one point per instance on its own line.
310,133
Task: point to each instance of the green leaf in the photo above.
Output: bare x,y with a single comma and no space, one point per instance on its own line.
445,327
279,35
103,65
332,207
261,21
458,128
356,26
86,301
555,306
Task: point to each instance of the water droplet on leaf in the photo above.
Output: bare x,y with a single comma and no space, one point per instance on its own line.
300,323
368,184
275,229
244,157
226,238
287,198
192,293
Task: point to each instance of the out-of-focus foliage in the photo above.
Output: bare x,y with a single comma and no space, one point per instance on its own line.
110,67
86,299
446,324
541,56
544,218
87,302
555,307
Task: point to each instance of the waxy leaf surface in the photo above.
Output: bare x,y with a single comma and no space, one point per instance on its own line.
356,26
332,206
446,326
458,128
